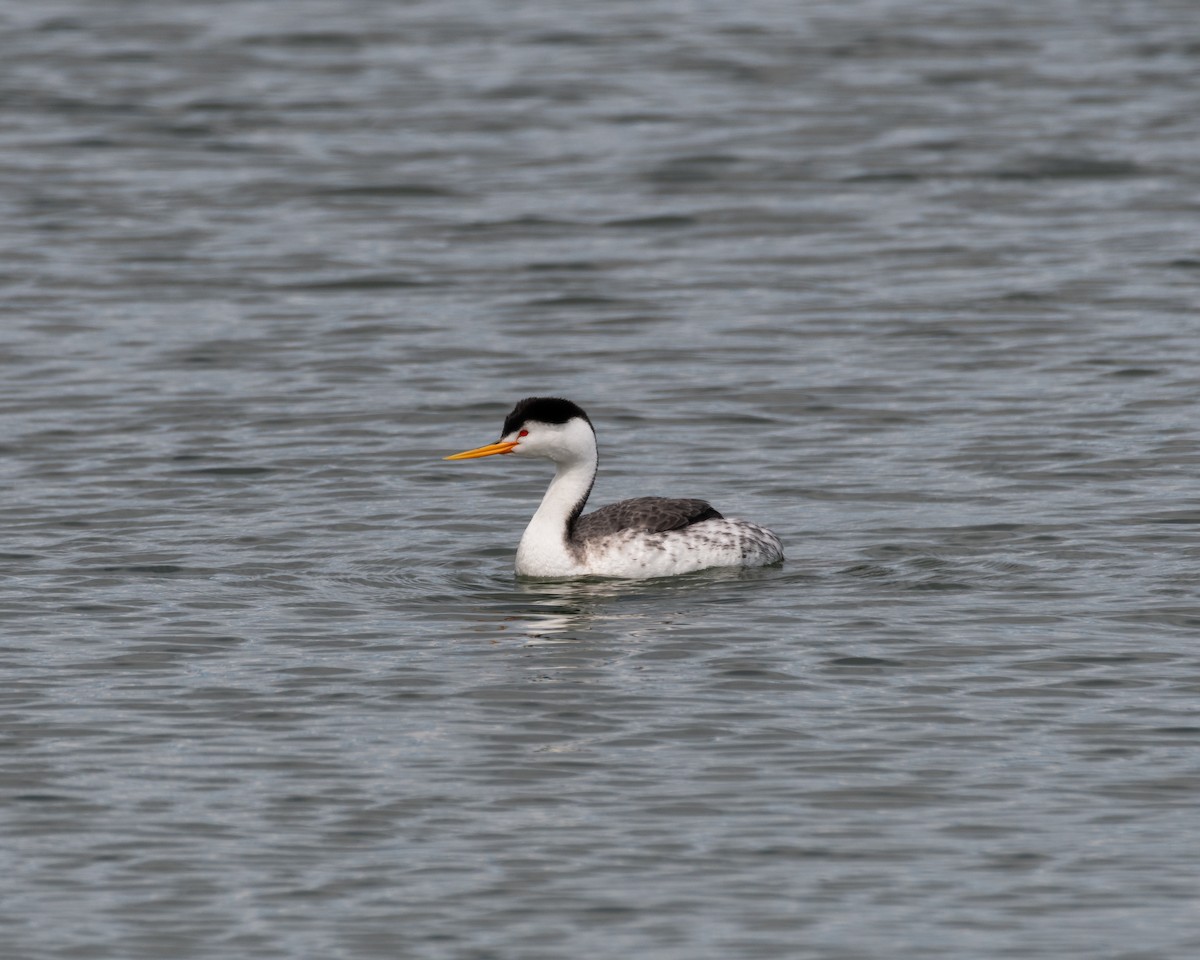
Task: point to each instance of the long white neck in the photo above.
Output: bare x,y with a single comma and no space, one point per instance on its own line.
545,550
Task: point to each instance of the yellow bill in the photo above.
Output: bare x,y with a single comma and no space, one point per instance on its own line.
504,446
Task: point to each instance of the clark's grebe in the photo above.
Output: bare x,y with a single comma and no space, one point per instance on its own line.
642,537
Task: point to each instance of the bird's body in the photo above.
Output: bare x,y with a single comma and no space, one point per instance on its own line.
638,538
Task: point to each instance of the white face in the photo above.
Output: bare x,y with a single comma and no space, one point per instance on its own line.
560,442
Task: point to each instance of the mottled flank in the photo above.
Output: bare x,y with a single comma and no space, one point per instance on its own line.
644,515
713,542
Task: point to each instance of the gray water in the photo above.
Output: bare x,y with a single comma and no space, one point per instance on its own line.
914,284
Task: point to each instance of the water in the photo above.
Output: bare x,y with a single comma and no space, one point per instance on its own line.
912,284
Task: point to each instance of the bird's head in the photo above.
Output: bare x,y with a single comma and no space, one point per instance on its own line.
548,427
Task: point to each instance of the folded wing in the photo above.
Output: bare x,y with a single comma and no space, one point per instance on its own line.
644,515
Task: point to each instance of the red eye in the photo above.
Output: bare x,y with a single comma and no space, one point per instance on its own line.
523,433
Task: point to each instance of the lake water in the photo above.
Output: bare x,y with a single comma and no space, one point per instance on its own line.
913,284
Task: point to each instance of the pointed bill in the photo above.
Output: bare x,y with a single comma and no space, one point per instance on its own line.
504,446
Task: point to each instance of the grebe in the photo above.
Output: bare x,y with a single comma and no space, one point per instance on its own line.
638,538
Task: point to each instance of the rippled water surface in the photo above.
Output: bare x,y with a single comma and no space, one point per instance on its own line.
914,284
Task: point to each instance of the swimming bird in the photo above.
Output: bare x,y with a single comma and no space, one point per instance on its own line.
638,538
